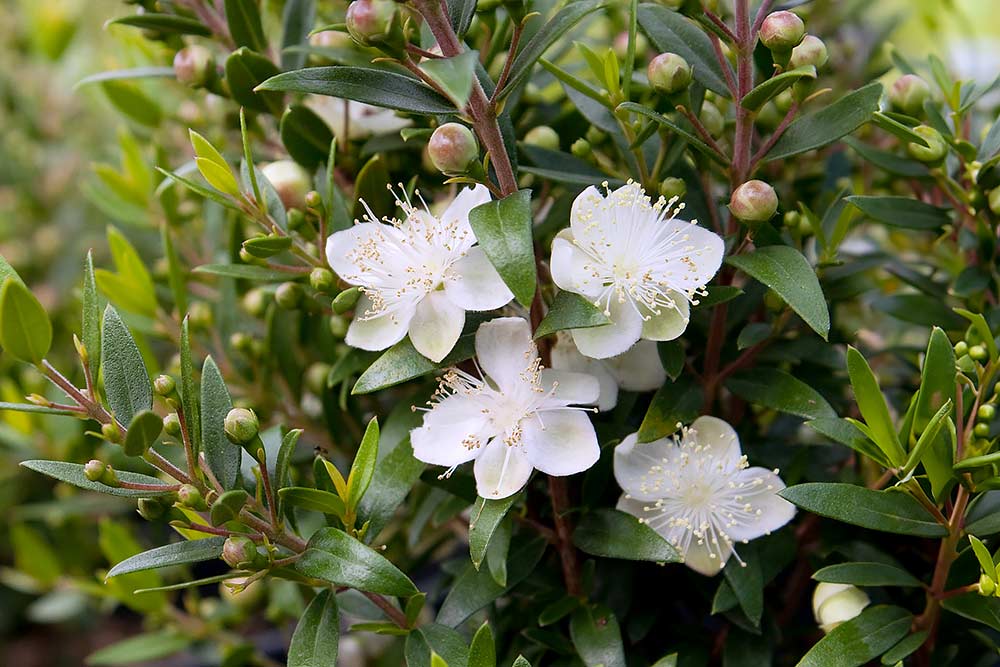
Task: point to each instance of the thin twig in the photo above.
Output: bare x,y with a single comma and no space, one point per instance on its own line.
721,25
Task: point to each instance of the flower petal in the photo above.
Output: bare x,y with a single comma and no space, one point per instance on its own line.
609,340
566,357
670,323
570,387
454,431
341,249
639,369
436,325
561,443
466,200
505,349
501,470
761,494
586,206
707,559
569,267
377,333
697,254
477,285
638,466
718,437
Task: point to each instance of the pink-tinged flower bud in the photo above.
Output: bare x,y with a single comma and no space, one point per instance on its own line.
754,201
241,426
291,181
93,469
542,136
936,147
172,424
239,552
669,73
164,385
367,20
782,31
452,148
194,66
810,51
908,94
189,496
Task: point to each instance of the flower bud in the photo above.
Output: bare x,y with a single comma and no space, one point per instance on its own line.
93,470
961,348
346,300
239,552
111,432
712,119
782,31
369,20
981,430
164,385
314,199
288,295
669,73
338,326
315,377
595,135
194,66
189,496
835,603
581,148
986,585
994,200
149,509
754,201
290,180
242,342
296,219
620,45
200,316
986,412
936,147
255,302
321,279
542,136
810,51
172,424
241,426
908,94
453,148
673,187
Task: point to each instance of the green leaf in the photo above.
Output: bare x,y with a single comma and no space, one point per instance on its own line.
984,557
143,431
781,391
267,246
670,31
873,407
189,387
890,162
861,639
316,639
306,136
222,456
131,287
140,648
91,331
369,188
177,553
282,462
434,644
33,555
244,272
904,648
454,75
297,21
866,574
903,212
596,637
503,229
243,17
170,24
199,189
371,86
126,380
219,177
482,651
887,511
894,127
672,403
975,607
772,87
610,533
789,274
937,378
245,72
983,328
337,558
176,273
37,409
133,102
314,500
461,13
829,124
227,506
521,661
402,362
25,329
747,582
486,517
395,475
72,473
570,310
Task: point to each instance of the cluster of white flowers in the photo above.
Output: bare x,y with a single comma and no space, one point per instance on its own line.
643,267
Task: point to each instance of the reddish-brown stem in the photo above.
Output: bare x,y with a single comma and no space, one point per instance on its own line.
773,139
272,509
559,495
961,590
721,25
762,12
222,532
138,486
157,460
700,129
189,455
514,41
723,63
423,53
398,617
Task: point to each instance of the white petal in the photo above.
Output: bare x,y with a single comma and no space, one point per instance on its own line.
718,437
702,248
570,387
565,356
772,510
561,443
436,325
477,285
341,246
670,323
466,200
707,559
569,267
377,333
501,470
505,349
636,466
609,340
586,205
639,369
453,432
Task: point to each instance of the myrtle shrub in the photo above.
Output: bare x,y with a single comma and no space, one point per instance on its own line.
450,333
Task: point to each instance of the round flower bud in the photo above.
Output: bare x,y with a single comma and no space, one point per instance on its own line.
810,51
241,426
978,352
194,66
452,148
338,326
542,136
164,385
936,147
111,432
754,201
315,378
669,73
149,509
313,199
595,135
986,585
321,279
986,412
673,187
346,300
290,180
255,302
239,552
712,119
994,200
961,348
835,603
93,470
200,315
189,496
908,94
296,219
367,20
981,430
288,296
172,424
581,148
782,31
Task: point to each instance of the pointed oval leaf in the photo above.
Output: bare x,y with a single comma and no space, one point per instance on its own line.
861,639
363,467
25,329
887,511
503,229
72,473
177,553
613,534
486,517
222,456
673,32
596,637
866,574
316,639
126,380
779,390
570,310
339,559
143,431
827,125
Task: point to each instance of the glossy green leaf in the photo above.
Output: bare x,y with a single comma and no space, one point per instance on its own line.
283,461
890,162
746,580
245,71
937,378
243,17
772,87
91,331
570,310
363,468
861,639
904,648
402,362
671,31
297,20
25,329
244,272
170,24
610,533
902,211
781,391
975,607
825,126
672,403
126,380
866,574
176,553
306,136
873,407
130,99
143,431
482,651
316,639
222,456
486,517
140,648
454,75
267,246
395,475
503,229
337,558
314,500
597,637
434,645
887,511
72,473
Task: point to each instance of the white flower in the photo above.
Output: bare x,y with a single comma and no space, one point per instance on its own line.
698,493
513,420
634,259
355,120
639,369
835,603
417,276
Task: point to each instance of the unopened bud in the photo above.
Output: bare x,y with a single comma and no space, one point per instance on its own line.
346,300
581,148
810,51
542,136
981,430
712,119
986,585
38,399
673,187
452,148
194,66
315,377
908,94
595,135
241,426
296,219
338,326
242,342
782,31
754,201
149,509
189,496
368,20
669,73
986,412
834,604
200,316
321,279
93,469
288,295
172,424
164,385
290,180
255,302
313,199
961,348
111,432
239,552
936,147
994,200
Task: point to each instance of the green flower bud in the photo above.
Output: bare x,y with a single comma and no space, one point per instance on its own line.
453,148
908,94
164,385
200,316
346,300
313,199
595,135
315,377
93,470
321,279
669,73
581,148
986,585
542,136
936,147
288,296
782,31
978,352
241,342
994,200
712,119
150,509
986,412
248,258
111,432
961,348
672,187
189,496
194,66
981,430
810,51
290,180
241,426
255,302
239,552
369,20
296,219
754,201
172,424
338,326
